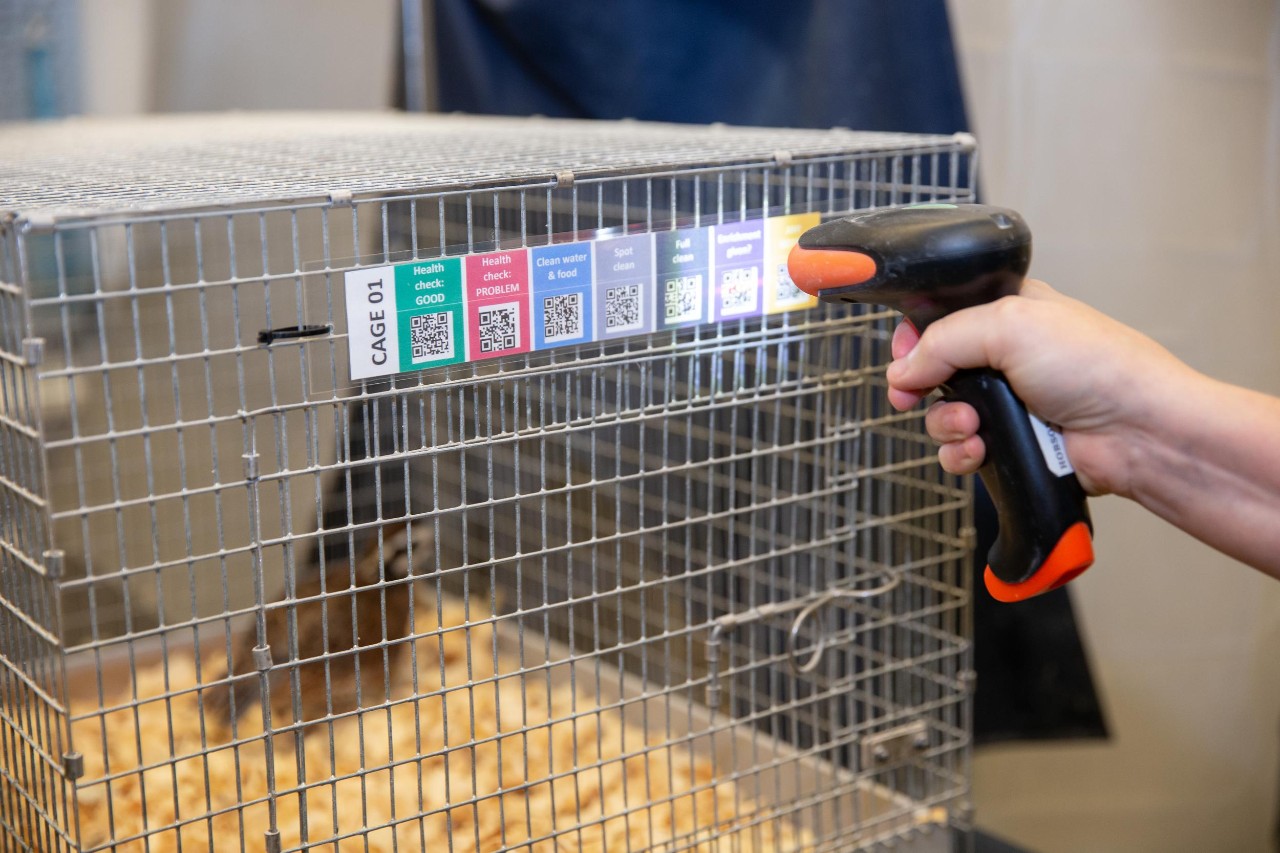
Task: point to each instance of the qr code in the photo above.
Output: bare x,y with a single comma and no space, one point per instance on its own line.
739,291
500,327
562,316
786,292
682,299
623,310
431,336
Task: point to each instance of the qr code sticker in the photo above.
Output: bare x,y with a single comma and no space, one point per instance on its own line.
562,317
682,298
623,309
786,292
431,336
739,291
500,327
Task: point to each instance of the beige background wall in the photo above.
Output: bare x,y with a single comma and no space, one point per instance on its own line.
163,55
1141,138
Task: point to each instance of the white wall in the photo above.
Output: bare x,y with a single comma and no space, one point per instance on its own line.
118,38
1141,138
166,55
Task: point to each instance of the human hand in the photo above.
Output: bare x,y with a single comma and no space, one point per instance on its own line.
1091,376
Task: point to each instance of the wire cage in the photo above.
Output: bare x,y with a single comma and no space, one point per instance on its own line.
678,584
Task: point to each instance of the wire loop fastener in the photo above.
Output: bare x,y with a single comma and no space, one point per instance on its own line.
804,608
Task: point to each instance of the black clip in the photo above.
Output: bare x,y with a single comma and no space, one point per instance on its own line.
287,333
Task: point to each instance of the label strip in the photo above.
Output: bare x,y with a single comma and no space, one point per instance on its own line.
424,314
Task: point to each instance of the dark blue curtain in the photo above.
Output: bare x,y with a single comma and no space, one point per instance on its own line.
796,64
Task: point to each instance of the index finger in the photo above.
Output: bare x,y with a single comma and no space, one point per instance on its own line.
905,338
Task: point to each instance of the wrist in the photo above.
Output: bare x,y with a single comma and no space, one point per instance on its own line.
1167,436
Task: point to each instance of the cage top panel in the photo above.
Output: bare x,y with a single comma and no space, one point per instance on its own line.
92,168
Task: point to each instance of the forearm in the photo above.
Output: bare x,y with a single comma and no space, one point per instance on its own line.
1209,462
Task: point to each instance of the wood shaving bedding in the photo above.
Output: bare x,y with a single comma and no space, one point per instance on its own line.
509,764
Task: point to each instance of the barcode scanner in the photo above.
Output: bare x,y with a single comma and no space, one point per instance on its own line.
927,261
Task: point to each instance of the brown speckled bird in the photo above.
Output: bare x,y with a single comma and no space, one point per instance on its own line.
343,631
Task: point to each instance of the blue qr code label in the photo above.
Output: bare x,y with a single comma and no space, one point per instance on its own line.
562,317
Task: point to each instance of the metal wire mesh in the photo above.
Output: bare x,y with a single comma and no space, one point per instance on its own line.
688,590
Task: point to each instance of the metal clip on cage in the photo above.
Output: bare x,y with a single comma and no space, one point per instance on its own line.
804,608
445,483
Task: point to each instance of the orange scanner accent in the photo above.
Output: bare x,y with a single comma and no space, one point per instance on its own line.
1069,558
815,270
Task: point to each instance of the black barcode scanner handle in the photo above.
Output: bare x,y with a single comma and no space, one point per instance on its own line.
928,261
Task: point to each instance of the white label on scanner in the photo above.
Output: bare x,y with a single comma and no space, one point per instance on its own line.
1052,446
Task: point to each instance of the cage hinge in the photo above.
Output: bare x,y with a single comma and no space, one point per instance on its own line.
341,198
54,561
33,351
782,158
965,140
262,658
894,746
968,680
72,765
250,466
37,223
712,651
564,179
271,841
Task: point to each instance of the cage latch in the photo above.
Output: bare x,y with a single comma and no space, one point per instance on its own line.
897,745
804,608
